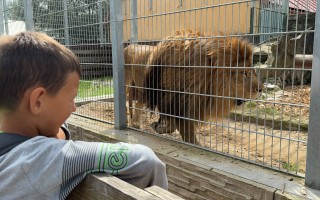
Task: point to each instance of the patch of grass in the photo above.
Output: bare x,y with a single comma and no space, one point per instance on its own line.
94,88
263,96
251,104
268,111
290,166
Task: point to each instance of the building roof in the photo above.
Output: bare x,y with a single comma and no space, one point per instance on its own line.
302,5
306,5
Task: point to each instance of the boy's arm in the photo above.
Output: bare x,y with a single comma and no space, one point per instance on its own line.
133,163
66,163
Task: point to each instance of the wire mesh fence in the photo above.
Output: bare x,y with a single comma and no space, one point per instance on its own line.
229,76
84,27
188,91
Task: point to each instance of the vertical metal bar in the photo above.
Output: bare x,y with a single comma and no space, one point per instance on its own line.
312,178
28,15
5,14
150,5
252,16
285,7
285,14
134,23
101,35
118,64
66,23
1,19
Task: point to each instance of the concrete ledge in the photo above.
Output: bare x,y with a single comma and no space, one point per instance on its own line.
199,174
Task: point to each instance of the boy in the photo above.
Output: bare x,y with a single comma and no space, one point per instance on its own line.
39,79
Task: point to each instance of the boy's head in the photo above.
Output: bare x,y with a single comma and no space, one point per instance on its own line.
31,59
39,80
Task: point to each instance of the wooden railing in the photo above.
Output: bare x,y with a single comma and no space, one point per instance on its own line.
107,187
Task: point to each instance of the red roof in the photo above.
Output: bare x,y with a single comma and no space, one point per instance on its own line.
306,5
301,5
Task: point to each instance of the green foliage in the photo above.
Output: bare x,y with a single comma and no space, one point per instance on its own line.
290,166
83,18
267,111
251,104
15,10
270,111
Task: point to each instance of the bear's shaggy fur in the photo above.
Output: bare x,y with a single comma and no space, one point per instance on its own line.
192,77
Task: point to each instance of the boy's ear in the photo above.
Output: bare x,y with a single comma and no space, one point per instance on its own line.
36,98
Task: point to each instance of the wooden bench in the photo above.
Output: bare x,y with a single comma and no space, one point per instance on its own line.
107,187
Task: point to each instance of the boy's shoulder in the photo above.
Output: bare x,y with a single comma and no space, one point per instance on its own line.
8,141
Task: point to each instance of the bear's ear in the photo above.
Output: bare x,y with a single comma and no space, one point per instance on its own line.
229,52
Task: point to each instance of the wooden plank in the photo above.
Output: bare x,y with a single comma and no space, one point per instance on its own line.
162,194
103,186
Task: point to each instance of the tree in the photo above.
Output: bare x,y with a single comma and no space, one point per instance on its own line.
83,18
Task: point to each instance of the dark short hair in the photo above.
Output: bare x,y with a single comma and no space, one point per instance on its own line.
31,59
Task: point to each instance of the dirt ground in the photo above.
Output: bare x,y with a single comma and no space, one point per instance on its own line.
276,147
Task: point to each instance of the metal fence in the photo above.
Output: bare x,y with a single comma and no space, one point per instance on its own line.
179,83
271,18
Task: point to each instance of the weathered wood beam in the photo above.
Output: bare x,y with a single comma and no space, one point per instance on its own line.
107,187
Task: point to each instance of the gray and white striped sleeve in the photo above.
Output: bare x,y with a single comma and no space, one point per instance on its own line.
134,163
82,158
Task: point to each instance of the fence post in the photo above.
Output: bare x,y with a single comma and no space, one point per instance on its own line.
101,35
28,15
66,23
285,7
252,16
134,23
312,178
118,64
285,14
1,19
150,5
5,15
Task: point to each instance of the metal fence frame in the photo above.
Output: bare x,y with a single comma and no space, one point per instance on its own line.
312,177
